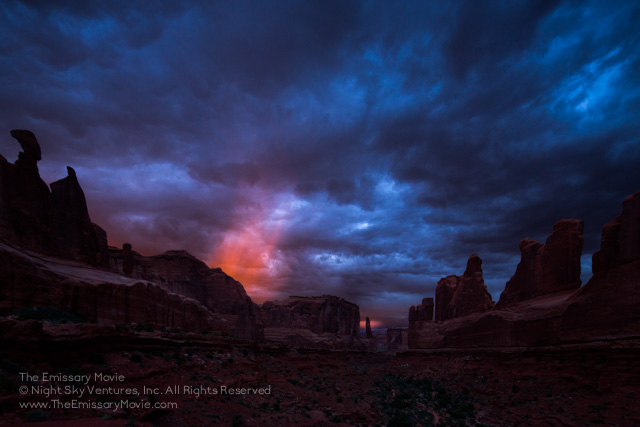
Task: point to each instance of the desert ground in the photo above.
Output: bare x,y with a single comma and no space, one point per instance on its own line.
190,377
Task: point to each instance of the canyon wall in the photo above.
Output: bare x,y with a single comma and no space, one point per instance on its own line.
40,228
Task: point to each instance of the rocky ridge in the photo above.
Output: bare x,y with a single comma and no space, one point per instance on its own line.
542,303
54,256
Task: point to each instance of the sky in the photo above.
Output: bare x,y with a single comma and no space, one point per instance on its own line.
360,149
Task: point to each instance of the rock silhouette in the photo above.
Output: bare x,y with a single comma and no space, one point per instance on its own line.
549,268
52,222
182,273
422,312
322,321
458,296
541,305
172,289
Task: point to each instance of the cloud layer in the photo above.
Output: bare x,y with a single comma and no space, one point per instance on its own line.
352,148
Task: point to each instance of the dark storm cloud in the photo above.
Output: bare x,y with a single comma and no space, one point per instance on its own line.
485,33
356,148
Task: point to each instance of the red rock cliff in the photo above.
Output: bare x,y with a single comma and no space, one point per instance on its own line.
322,314
458,296
549,268
51,222
182,273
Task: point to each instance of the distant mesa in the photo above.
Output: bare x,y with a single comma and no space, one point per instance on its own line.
320,321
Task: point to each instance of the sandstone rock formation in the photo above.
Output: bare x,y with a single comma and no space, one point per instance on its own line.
74,235
606,308
397,338
422,312
620,243
545,269
458,296
323,321
57,223
182,273
319,314
609,304
52,222
28,279
24,197
368,333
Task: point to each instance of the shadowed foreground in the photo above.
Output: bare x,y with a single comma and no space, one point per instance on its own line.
571,385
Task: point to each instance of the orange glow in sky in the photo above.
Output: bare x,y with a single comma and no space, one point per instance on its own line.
374,324
248,253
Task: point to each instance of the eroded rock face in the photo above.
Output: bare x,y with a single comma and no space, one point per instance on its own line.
74,236
368,333
609,304
397,338
606,308
97,295
444,294
545,269
184,274
323,314
458,296
422,312
51,222
325,321
57,223
620,243
25,200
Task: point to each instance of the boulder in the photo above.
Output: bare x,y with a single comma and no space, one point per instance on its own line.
545,269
